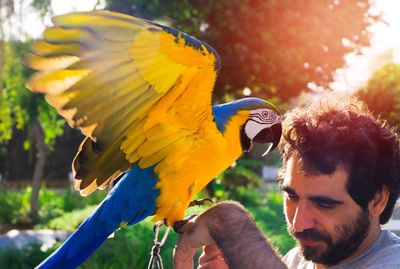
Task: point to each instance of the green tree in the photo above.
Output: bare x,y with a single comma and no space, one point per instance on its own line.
382,93
273,47
18,107
21,109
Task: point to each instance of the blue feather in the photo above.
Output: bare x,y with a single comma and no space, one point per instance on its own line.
131,200
223,112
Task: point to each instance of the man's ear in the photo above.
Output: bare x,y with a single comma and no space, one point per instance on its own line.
379,202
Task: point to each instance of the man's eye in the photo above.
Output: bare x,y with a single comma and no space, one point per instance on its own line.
326,205
291,196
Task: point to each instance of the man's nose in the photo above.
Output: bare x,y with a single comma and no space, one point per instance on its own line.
303,219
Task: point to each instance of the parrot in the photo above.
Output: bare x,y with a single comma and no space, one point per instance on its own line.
141,94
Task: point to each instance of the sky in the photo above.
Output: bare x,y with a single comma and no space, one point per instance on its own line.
385,42
34,25
385,47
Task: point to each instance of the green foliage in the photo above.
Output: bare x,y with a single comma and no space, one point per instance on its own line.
12,93
5,117
273,47
238,181
68,221
52,124
42,6
14,206
382,93
27,257
18,106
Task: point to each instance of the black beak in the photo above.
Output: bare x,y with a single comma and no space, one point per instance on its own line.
269,135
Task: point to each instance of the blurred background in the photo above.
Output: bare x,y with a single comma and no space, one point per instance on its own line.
284,51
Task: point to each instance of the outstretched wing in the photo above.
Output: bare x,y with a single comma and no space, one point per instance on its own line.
131,86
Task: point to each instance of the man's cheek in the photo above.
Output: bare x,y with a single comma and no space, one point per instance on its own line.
289,212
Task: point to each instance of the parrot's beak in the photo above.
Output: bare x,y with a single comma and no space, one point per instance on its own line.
271,136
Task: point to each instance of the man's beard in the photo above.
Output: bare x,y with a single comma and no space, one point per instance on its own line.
350,236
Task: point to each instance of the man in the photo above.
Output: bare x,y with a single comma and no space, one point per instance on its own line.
340,179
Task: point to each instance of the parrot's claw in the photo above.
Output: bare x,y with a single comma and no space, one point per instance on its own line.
158,225
200,202
178,225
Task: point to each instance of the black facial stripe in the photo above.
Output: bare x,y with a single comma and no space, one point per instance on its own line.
244,140
262,121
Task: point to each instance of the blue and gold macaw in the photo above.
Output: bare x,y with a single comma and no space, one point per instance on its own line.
141,94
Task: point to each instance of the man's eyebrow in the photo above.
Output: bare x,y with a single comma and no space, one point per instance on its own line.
324,200
287,189
316,199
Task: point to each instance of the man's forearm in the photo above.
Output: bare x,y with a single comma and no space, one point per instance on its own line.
237,236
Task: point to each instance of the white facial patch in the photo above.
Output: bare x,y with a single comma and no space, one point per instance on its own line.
260,119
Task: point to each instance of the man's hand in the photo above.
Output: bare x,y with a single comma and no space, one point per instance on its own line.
195,235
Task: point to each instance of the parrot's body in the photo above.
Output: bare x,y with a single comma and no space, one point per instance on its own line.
141,93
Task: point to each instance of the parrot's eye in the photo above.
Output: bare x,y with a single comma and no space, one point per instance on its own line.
266,114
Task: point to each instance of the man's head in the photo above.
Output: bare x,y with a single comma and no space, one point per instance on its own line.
341,172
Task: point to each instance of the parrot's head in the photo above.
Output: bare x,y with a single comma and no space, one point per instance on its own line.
260,121
263,126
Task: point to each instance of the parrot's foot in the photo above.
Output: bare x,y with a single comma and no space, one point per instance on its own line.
178,225
200,202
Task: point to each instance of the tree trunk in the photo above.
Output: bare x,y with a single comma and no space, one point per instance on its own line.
38,172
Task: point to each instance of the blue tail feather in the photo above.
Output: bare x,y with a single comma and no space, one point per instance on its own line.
131,200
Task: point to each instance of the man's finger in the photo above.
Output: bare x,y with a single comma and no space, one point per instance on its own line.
212,258
214,264
183,256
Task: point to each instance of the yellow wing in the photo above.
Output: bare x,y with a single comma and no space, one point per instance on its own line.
134,88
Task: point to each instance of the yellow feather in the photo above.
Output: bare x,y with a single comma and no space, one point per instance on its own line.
133,157
161,130
55,82
122,125
61,35
103,90
43,48
171,74
98,18
133,142
184,54
156,157
49,63
150,146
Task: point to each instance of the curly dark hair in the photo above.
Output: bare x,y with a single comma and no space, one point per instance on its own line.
334,131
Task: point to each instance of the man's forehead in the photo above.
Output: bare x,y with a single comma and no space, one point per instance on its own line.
296,178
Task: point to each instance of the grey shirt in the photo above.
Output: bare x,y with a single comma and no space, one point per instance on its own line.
383,254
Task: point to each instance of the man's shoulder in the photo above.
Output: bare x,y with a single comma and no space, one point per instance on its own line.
387,252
